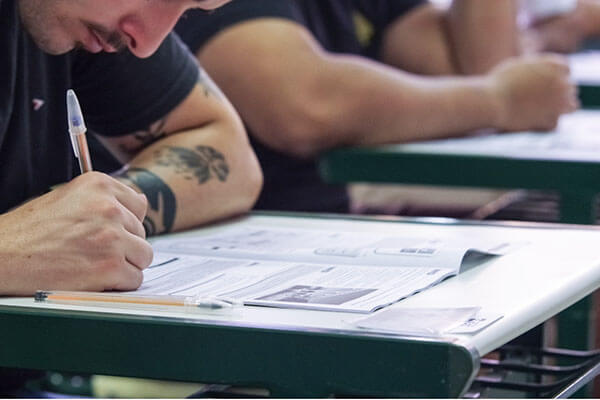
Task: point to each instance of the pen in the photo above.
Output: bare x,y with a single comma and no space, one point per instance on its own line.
77,131
116,299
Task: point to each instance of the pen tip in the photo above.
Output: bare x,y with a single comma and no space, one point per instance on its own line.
41,295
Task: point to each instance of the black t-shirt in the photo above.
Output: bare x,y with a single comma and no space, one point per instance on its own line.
292,183
119,94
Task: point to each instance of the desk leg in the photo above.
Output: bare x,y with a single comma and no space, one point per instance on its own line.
578,208
576,330
576,325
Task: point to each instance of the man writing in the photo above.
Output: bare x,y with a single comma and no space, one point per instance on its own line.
188,158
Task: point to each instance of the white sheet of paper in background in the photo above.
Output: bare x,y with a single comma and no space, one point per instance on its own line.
428,321
585,68
577,137
309,268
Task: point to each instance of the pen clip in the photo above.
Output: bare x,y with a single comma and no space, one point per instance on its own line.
75,149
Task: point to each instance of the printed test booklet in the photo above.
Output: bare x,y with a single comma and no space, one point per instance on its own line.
309,268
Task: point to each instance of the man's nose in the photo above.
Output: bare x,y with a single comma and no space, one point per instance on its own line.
144,33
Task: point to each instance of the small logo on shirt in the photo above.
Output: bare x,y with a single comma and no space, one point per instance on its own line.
37,104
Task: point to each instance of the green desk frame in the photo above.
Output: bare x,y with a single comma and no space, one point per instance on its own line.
578,184
288,359
589,96
163,348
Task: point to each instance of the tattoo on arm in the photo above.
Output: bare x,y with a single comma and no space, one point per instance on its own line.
161,200
154,133
209,87
144,138
201,163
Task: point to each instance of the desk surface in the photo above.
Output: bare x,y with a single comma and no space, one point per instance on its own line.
585,67
567,161
312,353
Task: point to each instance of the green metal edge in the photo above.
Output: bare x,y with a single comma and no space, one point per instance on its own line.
578,183
287,362
589,96
385,165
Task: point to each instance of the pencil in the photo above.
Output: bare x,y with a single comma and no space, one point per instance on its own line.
93,298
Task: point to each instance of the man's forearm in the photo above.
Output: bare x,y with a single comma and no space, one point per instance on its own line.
379,105
418,42
382,105
483,33
592,9
462,39
194,177
565,33
302,100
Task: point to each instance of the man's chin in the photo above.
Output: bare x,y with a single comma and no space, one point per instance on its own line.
53,48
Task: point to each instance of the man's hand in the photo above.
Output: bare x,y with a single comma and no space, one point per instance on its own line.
565,33
532,92
85,235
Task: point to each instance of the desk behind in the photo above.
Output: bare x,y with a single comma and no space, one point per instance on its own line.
566,161
314,353
585,72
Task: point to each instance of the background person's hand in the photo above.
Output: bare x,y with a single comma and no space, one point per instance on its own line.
565,33
85,235
533,92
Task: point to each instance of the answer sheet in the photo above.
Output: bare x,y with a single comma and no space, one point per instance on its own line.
305,268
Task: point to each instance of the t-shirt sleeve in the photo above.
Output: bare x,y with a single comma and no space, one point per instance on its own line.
120,93
398,8
382,13
196,28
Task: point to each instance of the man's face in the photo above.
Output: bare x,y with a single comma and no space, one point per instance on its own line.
58,26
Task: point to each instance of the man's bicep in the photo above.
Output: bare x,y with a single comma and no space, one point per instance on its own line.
264,66
259,46
203,105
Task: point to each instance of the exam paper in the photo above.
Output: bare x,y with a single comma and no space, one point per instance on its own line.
290,285
309,268
322,246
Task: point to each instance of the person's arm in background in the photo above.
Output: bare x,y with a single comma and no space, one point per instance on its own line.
468,37
195,165
299,99
566,33
483,33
